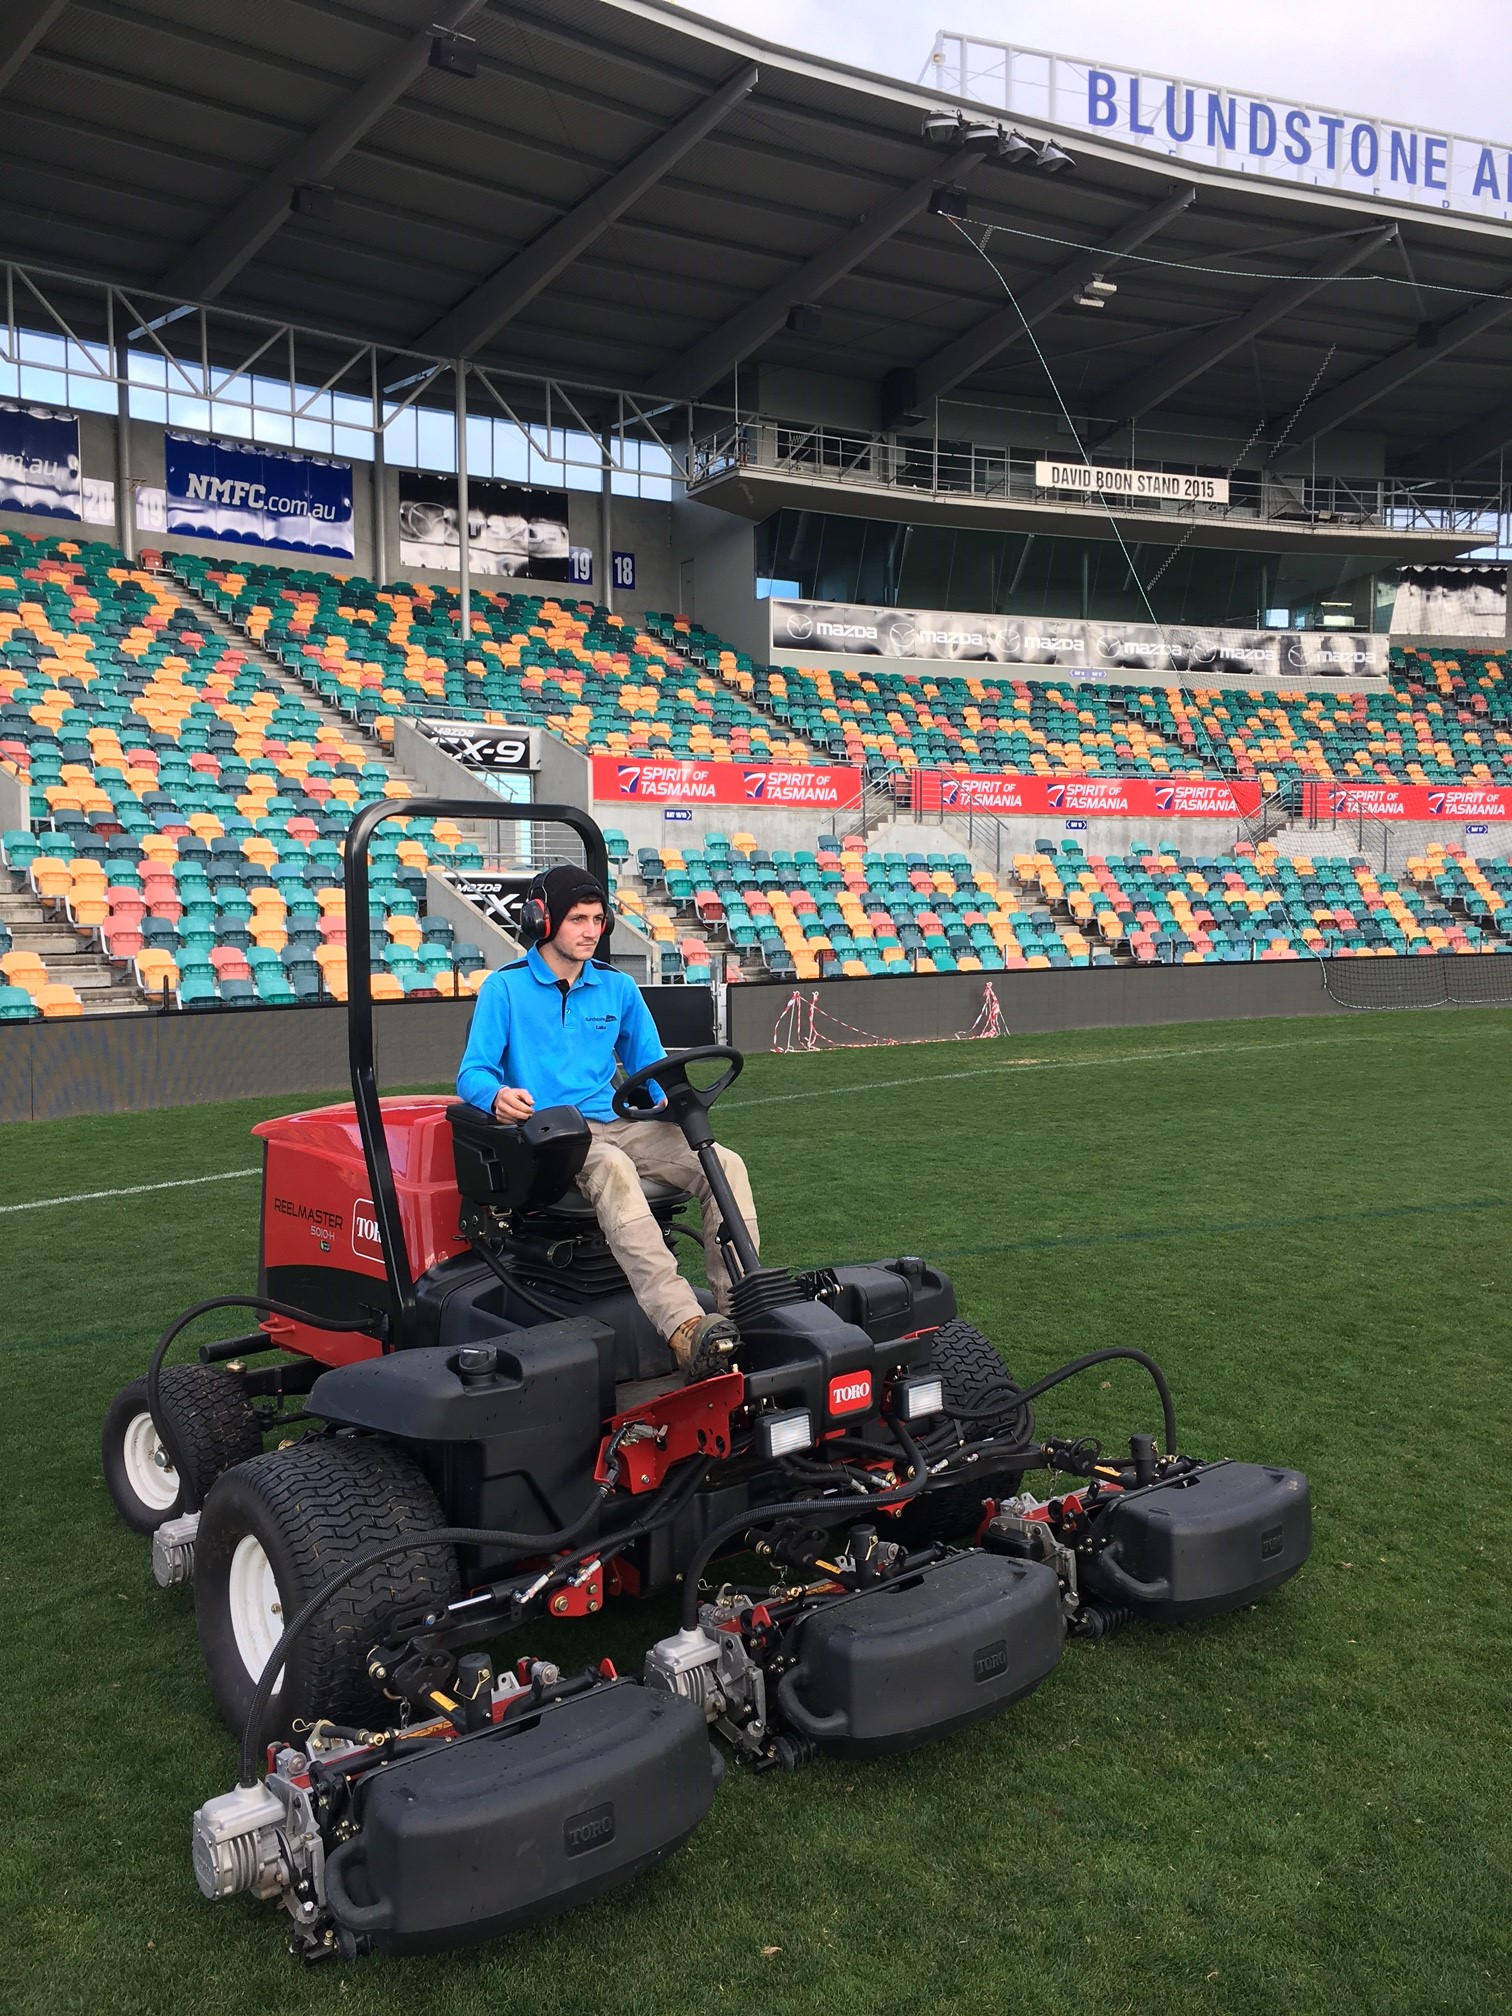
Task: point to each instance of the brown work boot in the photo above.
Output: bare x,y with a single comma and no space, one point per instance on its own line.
705,1346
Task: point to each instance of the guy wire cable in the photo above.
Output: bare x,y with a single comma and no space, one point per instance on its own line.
1246,273
1186,692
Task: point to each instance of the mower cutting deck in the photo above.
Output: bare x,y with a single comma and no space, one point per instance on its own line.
493,1432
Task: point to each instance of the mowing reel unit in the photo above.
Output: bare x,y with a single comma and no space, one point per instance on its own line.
479,1430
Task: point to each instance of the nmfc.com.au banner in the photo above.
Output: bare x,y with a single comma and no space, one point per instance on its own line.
257,496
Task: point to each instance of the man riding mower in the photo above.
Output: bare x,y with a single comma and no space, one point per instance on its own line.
492,1430
549,1030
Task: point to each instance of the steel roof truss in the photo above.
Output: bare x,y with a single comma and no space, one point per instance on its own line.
705,362
957,360
210,266
1194,355
1332,409
25,23
500,297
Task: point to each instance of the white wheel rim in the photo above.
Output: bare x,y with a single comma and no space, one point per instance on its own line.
256,1607
149,1473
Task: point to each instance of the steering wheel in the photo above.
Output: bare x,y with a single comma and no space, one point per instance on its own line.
685,1104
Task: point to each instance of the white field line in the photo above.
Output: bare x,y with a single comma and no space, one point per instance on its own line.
133,1190
1235,1051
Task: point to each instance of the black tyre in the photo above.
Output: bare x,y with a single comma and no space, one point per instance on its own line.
976,1381
210,1420
275,1531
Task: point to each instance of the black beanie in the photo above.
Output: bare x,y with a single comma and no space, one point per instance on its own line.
561,887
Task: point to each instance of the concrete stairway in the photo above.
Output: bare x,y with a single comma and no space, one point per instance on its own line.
70,959
278,674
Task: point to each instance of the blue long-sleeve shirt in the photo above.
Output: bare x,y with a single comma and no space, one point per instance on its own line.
559,1043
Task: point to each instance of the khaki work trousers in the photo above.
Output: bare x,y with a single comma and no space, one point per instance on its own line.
622,1152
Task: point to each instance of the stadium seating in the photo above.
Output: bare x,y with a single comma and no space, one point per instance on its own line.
195,807
1255,903
833,912
829,913
588,675
1446,720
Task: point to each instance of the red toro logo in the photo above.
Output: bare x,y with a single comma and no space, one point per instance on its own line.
365,1242
850,1393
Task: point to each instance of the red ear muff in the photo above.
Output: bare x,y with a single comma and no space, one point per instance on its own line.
535,920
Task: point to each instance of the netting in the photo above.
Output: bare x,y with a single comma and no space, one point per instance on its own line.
1441,981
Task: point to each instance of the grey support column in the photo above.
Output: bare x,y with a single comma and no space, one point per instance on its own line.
606,525
380,485
125,496
464,544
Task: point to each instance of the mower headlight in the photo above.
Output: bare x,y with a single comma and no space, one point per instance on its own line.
784,1434
914,1399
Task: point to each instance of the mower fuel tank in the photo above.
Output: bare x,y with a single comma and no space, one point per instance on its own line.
507,1431
901,1663
1198,1544
523,1820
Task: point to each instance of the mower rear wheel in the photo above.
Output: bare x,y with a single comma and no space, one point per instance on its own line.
275,1531
976,1381
212,1422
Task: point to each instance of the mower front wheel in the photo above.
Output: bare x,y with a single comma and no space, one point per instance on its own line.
212,1424
278,1529
977,1383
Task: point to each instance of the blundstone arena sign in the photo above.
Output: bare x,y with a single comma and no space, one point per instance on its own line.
1280,139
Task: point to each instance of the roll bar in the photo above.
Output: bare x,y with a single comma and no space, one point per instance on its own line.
360,1004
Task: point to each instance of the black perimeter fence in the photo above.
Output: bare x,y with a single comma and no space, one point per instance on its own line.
135,1063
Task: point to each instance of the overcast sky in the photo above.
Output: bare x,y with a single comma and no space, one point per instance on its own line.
1445,65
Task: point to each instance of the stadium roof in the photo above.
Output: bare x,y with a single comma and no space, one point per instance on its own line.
629,197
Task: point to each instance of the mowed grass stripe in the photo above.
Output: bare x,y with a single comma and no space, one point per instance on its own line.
1297,1808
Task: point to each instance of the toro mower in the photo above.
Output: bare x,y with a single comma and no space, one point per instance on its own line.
477,1427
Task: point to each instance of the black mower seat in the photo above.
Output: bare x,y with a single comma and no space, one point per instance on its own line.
529,1167
662,1197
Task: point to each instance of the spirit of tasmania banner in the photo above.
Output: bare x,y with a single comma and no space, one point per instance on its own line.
39,461
824,787
257,496
1406,801
1094,797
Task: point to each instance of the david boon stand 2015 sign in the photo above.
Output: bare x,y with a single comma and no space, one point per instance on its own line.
823,787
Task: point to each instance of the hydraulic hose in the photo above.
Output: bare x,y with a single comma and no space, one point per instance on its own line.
452,1536
189,1497
1069,1371
831,1509
437,1536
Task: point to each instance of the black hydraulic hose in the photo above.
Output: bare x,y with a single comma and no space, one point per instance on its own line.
188,1496
1167,1404
664,1509
453,1536
434,1536
833,1508
516,1287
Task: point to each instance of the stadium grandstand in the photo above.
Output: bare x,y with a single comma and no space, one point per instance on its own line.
932,531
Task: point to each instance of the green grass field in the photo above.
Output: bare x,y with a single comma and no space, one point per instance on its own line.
1307,1807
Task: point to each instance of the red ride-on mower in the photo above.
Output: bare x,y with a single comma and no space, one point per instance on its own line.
489,1431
